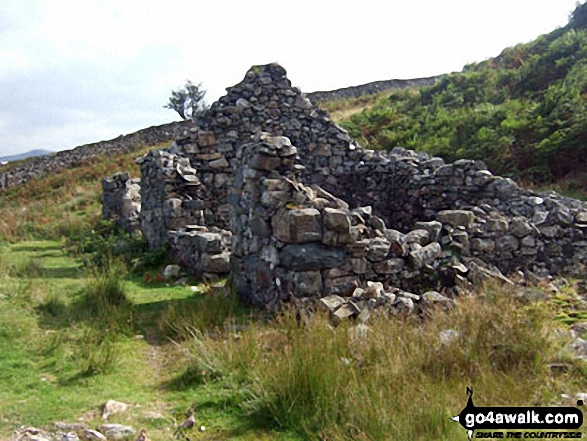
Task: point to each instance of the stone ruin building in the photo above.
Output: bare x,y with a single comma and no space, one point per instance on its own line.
266,188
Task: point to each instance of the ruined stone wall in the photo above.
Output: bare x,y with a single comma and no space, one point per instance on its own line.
121,201
173,215
171,195
263,102
35,168
301,244
513,228
423,209
205,252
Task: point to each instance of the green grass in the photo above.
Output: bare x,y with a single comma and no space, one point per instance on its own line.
395,380
72,338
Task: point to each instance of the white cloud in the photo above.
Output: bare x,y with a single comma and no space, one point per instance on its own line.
74,72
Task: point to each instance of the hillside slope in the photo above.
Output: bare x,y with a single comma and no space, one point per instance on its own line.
19,156
22,171
523,112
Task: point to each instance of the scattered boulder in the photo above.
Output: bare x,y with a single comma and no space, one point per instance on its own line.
30,434
92,435
433,298
332,302
577,348
112,407
171,271
69,427
116,431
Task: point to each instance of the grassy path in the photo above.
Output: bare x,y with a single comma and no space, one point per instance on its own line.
46,345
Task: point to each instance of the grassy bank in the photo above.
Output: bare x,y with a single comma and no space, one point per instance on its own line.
395,379
63,204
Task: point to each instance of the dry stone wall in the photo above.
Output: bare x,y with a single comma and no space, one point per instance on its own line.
406,187
415,222
35,168
206,252
171,195
301,244
173,215
121,201
263,102
369,89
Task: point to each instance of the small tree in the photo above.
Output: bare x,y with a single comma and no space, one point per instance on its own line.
188,101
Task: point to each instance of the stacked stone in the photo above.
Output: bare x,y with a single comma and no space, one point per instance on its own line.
512,228
173,215
262,186
264,101
515,243
171,196
504,226
121,201
384,179
301,244
204,252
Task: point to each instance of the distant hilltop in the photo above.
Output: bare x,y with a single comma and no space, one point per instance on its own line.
19,156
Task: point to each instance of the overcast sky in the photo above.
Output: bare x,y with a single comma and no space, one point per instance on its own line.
80,71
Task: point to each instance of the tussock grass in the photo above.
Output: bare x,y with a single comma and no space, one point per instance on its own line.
29,268
54,305
342,110
209,311
71,226
96,352
104,289
395,379
105,301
